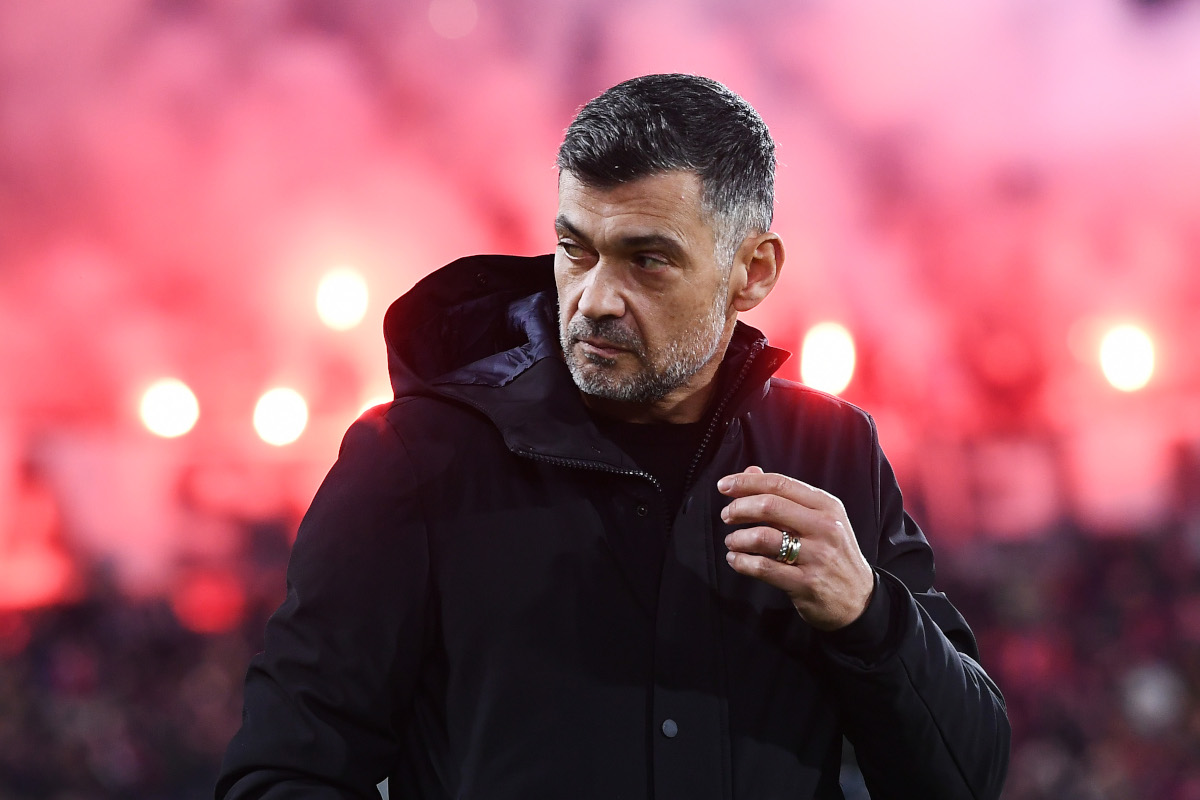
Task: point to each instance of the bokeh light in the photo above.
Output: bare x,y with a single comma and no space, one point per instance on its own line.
453,19
169,408
1127,357
827,357
280,416
375,400
208,601
342,299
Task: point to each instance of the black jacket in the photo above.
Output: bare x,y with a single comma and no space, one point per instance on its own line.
460,616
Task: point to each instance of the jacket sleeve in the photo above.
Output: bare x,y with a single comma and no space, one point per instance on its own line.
325,700
925,720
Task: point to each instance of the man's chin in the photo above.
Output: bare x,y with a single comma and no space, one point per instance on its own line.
593,378
600,381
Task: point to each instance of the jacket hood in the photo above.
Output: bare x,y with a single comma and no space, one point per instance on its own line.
495,314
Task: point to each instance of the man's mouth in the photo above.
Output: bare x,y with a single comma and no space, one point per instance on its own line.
600,347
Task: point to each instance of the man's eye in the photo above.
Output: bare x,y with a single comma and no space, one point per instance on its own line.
648,262
572,250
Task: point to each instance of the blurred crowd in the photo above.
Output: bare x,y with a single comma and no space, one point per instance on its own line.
111,696
1096,645
1095,641
108,698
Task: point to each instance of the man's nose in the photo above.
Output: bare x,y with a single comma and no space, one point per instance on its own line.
602,293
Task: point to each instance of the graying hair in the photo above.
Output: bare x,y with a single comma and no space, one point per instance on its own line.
660,123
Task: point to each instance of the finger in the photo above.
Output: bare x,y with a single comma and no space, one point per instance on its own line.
779,513
761,541
748,483
767,570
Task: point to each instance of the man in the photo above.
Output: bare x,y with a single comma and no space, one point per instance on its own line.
594,549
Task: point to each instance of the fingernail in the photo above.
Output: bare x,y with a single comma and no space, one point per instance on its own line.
729,557
725,514
725,484
727,538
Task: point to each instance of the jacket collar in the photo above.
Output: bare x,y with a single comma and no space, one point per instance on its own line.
483,331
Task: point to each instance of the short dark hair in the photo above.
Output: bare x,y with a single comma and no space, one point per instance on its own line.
659,123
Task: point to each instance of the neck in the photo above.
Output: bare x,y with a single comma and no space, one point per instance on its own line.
670,409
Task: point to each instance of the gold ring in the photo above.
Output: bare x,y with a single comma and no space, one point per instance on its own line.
789,549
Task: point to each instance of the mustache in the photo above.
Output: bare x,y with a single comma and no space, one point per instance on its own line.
610,330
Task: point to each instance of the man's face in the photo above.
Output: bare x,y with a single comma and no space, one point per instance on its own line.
643,304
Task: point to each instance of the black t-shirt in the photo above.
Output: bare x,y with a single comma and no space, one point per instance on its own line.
662,449
666,452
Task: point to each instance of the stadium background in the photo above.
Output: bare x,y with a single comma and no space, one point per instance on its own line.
978,194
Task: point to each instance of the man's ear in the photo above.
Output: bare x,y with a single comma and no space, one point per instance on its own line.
756,268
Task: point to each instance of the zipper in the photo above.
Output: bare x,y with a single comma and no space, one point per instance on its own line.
577,463
595,466
755,349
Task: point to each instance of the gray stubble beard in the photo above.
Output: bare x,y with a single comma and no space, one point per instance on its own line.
683,358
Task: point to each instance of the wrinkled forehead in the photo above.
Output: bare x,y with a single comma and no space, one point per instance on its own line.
668,200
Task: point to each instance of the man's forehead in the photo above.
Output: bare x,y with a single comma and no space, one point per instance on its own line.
566,176
673,194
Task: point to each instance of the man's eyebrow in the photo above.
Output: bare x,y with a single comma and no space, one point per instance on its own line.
561,224
668,244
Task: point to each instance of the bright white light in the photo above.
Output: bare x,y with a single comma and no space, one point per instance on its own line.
377,400
280,416
169,408
342,299
827,358
1127,357
453,19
